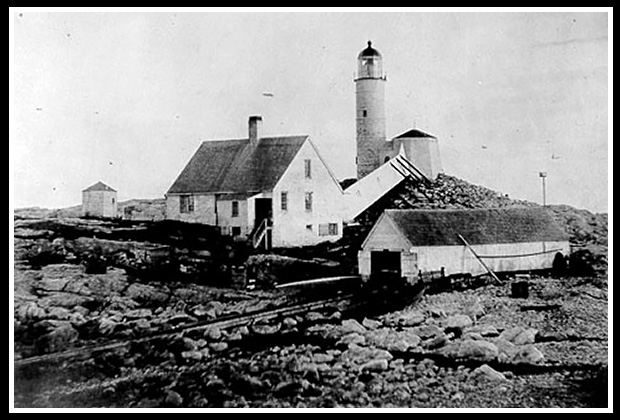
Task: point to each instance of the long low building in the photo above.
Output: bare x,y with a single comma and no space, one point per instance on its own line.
411,243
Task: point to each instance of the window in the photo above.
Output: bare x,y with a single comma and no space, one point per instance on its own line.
235,209
308,201
309,227
308,168
364,113
236,230
112,200
328,229
284,200
186,204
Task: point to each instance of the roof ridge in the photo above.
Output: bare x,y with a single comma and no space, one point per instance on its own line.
247,139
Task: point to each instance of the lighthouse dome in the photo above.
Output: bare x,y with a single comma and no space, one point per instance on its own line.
369,52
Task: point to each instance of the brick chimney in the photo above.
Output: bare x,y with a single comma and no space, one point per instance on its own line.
254,127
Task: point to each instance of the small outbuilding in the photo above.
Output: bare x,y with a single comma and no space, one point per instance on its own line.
412,243
99,200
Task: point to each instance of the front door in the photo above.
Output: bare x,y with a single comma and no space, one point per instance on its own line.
262,210
385,263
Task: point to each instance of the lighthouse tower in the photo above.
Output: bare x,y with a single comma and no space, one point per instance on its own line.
370,110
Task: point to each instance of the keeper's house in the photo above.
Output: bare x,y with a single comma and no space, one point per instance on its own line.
411,243
275,191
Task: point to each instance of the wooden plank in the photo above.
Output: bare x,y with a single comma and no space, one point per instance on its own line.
486,267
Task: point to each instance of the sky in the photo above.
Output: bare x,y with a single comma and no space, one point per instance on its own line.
126,98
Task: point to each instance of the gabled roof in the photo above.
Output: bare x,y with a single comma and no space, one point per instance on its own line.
99,186
477,226
235,166
414,133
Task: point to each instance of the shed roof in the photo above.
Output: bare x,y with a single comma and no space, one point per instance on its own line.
414,133
235,166
99,186
477,226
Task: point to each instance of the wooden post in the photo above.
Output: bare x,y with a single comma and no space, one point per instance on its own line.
486,267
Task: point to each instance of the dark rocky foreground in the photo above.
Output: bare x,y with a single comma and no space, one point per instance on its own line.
474,348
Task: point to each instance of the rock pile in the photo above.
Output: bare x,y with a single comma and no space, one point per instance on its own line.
61,303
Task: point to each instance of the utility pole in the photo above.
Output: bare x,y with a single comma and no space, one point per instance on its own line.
543,176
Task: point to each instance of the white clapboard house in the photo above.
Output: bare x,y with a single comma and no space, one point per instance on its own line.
275,191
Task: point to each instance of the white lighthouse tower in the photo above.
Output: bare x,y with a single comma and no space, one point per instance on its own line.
370,110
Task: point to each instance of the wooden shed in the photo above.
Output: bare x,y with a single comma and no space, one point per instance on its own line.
99,200
411,243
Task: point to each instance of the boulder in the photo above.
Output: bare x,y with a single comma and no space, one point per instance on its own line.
322,358
29,311
371,324
58,313
77,319
188,344
265,329
146,294
519,335
212,333
475,310
60,338
173,399
66,300
376,365
477,350
392,340
204,311
360,355
472,336
107,326
314,316
484,330
505,348
528,355
458,322
352,338
289,322
427,331
487,373
218,347
411,338
352,326
410,319
192,355
435,342
337,315
138,313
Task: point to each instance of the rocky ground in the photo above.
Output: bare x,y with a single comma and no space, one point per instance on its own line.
474,348
81,282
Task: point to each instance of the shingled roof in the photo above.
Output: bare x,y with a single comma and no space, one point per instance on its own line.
235,166
477,226
99,186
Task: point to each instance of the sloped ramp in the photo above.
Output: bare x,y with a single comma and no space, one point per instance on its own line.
361,195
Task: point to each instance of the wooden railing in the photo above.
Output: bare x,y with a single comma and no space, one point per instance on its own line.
260,233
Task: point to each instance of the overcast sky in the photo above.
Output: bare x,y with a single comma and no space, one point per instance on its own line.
126,98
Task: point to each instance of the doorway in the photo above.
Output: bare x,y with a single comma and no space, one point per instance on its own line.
385,263
262,210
